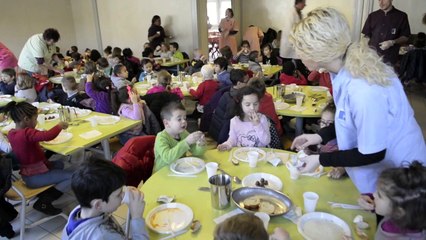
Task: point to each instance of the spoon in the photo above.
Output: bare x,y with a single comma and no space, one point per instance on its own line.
236,179
195,226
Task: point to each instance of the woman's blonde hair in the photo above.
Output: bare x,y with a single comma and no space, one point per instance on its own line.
324,35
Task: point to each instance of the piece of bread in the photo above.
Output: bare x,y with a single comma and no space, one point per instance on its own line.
251,203
266,207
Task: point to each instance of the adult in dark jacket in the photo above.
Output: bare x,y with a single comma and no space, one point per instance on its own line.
156,34
219,126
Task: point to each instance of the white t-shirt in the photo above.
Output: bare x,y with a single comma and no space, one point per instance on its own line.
286,48
373,118
35,47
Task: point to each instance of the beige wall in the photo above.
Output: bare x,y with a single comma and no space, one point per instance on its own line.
268,13
84,22
20,19
125,23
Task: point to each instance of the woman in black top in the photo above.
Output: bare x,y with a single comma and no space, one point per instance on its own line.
156,32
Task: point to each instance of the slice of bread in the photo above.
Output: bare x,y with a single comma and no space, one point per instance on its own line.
266,207
251,203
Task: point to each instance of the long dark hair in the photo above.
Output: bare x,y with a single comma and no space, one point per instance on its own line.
154,19
244,91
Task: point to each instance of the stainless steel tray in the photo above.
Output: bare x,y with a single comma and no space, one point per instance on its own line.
281,202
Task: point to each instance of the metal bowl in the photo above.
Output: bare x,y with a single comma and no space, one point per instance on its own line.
281,202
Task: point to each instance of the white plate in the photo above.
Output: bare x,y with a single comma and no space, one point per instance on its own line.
241,153
61,138
319,89
82,112
273,181
170,217
332,227
107,120
187,165
5,96
281,105
51,117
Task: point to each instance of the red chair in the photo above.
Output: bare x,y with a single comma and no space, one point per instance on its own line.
136,157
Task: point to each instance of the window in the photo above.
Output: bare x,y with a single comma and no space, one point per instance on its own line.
216,11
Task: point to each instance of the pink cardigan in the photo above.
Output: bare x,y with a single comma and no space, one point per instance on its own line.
157,89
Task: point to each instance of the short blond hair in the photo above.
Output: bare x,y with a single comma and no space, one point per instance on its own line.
164,78
24,81
324,35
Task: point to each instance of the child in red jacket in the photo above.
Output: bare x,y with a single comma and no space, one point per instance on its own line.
205,90
291,75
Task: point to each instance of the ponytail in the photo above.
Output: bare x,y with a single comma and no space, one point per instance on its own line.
18,111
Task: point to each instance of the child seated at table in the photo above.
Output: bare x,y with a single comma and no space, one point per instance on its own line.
175,141
35,169
24,87
248,128
148,72
99,88
131,106
76,60
254,65
98,187
163,51
205,90
243,55
246,226
322,78
291,75
221,70
164,80
7,81
196,63
75,98
174,48
103,66
268,56
401,198
119,77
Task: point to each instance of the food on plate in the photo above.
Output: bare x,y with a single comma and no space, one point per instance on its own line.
262,183
266,207
329,230
252,203
162,219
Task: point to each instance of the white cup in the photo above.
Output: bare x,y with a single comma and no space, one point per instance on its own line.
126,198
310,200
148,77
93,122
299,100
211,169
252,158
294,172
41,119
264,217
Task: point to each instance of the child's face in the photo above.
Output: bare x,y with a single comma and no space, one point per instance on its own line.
327,118
124,73
217,68
250,104
6,78
147,67
172,49
177,123
245,48
114,201
266,51
383,205
164,48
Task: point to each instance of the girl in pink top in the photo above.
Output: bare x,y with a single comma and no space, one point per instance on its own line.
249,128
164,80
131,107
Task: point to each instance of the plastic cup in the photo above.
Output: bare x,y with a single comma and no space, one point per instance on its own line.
148,77
264,217
41,119
299,100
294,172
126,198
252,157
93,122
310,200
211,169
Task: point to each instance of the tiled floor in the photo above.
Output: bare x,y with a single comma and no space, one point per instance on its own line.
53,229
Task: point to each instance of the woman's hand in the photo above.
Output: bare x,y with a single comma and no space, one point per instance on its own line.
311,163
224,147
305,140
366,202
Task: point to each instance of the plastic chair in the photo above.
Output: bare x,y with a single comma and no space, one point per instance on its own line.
20,192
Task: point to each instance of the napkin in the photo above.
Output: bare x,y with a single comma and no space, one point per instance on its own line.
227,215
297,109
276,158
90,134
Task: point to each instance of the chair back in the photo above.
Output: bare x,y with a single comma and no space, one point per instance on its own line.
136,157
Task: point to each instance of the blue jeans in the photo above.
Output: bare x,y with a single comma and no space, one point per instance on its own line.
57,175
